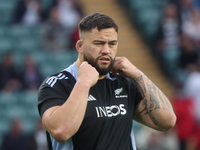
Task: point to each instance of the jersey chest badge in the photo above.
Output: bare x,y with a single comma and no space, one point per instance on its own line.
118,93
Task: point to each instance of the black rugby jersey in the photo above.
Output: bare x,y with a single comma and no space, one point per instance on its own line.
107,124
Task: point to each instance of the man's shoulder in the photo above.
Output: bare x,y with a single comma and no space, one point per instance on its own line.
63,78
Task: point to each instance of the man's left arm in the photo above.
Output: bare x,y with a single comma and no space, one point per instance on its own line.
155,109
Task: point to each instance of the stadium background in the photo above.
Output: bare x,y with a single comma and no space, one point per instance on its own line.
139,22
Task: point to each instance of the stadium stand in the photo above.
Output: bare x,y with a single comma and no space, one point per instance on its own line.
22,40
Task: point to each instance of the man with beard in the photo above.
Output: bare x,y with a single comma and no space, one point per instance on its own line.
91,104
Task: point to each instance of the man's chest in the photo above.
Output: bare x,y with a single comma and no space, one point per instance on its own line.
108,101
108,116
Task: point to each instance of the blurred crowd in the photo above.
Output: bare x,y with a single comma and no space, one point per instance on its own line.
57,21
58,25
15,79
16,139
177,46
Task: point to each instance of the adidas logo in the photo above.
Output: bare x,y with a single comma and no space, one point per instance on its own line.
52,80
91,98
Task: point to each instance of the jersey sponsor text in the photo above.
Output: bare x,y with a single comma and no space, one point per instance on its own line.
110,111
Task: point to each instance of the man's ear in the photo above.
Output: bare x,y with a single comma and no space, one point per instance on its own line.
78,46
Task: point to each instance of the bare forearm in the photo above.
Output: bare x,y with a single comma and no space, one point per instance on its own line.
155,103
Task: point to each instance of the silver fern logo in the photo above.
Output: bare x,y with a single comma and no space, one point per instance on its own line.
118,91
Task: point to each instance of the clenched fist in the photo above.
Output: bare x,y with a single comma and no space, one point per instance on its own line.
88,74
124,67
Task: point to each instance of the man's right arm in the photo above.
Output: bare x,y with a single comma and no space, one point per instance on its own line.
62,122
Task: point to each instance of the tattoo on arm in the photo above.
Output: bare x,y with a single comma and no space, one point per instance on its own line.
148,112
153,97
160,97
141,81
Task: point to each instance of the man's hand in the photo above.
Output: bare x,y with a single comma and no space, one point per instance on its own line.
88,74
124,67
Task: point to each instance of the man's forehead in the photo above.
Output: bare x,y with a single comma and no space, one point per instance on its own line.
103,30
103,33
95,30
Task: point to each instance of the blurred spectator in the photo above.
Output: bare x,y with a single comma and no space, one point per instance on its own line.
168,39
191,27
196,3
169,140
37,140
32,145
163,141
60,31
192,85
32,77
40,136
184,109
28,12
154,141
15,139
69,13
75,34
189,54
55,36
148,139
10,78
186,9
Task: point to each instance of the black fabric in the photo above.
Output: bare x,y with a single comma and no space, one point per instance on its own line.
57,94
49,141
107,123
107,129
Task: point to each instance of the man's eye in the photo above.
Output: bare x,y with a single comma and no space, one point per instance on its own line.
97,43
112,43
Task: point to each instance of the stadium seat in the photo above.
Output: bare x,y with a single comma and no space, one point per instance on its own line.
3,31
40,56
6,11
15,111
7,99
18,31
27,44
4,126
146,14
18,58
46,4
5,44
29,126
29,98
47,70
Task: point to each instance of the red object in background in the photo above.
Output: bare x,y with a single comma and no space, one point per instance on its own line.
197,136
184,110
75,36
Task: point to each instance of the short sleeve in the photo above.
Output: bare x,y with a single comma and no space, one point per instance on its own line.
136,94
54,91
138,97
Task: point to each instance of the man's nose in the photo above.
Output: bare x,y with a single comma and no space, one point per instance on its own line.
105,49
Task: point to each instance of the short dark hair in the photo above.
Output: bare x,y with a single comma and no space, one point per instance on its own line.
99,20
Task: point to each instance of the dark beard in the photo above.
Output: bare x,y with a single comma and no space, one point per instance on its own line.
93,62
